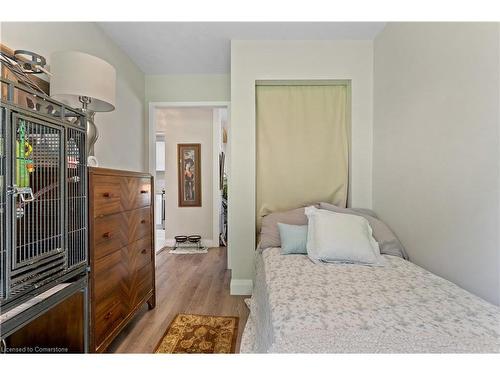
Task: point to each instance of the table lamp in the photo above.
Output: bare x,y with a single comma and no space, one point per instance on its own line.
83,81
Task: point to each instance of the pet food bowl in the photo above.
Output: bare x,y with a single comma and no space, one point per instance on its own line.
181,239
194,238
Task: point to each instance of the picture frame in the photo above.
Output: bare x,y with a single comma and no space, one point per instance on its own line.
189,174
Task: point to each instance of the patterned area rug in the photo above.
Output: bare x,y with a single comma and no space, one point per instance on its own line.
198,334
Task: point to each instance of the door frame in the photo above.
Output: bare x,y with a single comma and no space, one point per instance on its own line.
216,143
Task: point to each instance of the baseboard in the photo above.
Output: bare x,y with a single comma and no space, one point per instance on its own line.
210,243
160,245
241,287
170,242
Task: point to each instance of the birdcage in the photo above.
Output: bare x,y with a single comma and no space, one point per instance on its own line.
43,186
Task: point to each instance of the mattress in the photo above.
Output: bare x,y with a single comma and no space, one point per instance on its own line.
301,307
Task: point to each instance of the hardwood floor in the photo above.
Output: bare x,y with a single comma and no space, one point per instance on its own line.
193,284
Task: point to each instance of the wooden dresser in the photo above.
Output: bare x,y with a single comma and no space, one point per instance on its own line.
121,245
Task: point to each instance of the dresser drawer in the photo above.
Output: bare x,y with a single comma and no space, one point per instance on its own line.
110,234
109,195
140,253
108,316
139,224
115,194
139,193
110,275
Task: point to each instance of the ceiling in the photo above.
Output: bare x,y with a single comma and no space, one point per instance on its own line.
204,47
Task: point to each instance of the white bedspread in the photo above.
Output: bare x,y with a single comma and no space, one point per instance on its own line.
302,307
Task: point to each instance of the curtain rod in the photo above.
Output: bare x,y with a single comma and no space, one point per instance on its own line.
305,82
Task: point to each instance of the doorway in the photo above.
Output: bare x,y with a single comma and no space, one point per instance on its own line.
205,124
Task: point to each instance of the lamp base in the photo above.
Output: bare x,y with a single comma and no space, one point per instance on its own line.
92,133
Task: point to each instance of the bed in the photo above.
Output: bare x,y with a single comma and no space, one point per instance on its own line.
302,307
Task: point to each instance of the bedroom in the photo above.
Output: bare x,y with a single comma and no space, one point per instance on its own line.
357,154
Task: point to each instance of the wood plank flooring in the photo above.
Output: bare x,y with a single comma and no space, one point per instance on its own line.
185,283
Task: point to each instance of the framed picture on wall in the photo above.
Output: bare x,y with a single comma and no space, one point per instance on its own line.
189,166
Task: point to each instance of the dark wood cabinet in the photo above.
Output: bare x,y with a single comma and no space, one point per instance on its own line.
58,330
122,258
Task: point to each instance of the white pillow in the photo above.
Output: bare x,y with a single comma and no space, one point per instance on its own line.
342,238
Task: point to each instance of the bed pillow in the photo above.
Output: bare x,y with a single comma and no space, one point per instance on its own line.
364,211
340,238
269,232
293,238
388,243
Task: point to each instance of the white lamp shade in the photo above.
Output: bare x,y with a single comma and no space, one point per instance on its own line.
76,74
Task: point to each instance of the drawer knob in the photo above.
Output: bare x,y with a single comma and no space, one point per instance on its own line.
143,221
144,191
107,235
106,195
143,251
108,315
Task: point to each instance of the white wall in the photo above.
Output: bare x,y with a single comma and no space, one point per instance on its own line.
121,143
261,60
187,88
188,125
436,147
